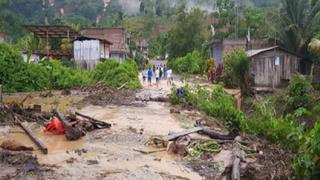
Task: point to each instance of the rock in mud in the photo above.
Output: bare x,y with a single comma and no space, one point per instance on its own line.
15,146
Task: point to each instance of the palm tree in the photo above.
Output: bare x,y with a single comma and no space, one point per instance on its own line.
297,23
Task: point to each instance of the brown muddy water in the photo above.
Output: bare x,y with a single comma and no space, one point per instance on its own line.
110,153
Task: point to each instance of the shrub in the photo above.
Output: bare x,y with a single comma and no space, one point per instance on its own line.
265,123
307,163
111,73
236,70
61,77
215,103
189,64
299,93
18,76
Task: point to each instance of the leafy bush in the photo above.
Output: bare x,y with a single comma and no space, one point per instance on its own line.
61,77
111,73
307,163
189,64
265,123
16,75
236,70
299,93
215,103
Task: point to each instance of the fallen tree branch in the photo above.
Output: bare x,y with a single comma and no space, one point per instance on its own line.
97,123
215,135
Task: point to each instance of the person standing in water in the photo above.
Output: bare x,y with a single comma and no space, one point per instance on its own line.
150,76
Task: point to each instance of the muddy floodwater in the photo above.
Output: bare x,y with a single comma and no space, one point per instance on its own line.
112,153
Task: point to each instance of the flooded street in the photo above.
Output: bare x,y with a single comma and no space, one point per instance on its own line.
113,153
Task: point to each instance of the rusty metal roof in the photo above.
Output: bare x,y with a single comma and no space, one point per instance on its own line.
117,36
52,31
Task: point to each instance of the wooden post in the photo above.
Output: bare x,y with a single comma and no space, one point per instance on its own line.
42,147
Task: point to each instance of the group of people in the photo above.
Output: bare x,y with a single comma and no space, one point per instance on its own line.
160,72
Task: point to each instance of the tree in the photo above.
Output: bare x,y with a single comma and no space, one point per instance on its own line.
189,33
226,16
254,20
297,23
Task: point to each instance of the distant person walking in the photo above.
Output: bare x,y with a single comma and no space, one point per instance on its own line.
165,72
154,68
144,76
169,77
157,77
150,76
161,72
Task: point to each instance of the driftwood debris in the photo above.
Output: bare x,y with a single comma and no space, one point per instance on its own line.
235,175
72,133
175,136
96,123
150,151
42,147
215,135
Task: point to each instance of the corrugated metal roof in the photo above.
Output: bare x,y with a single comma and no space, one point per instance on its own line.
254,52
117,36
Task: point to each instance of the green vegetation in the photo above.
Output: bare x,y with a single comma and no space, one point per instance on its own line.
268,119
236,70
19,76
113,74
192,63
215,104
299,94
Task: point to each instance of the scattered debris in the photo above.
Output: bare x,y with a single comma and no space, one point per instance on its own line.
92,162
72,133
96,123
179,146
157,141
184,133
13,145
149,151
235,175
71,160
197,149
215,135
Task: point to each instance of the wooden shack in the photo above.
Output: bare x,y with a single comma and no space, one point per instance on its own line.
273,66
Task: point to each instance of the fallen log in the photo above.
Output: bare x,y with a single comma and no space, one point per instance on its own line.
175,136
235,175
42,147
72,133
215,135
96,123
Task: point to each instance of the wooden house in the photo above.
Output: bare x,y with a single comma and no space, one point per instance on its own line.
273,66
117,36
221,47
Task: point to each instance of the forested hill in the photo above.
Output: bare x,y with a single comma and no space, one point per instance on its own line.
100,13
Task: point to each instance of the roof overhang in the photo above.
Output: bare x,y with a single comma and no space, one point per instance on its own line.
42,31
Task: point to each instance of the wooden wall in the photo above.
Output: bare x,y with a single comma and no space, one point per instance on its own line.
266,73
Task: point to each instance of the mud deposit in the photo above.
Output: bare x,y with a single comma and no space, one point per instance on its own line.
111,153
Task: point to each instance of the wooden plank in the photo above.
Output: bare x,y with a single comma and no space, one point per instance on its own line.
42,147
184,133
